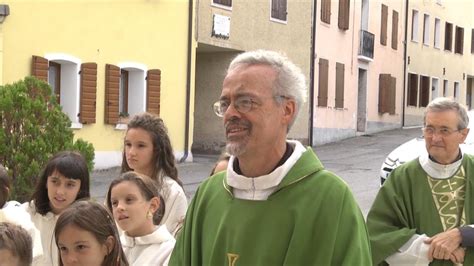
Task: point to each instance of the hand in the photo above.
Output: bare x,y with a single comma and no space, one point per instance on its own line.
458,255
443,244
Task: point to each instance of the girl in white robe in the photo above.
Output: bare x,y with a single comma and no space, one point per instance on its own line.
148,151
64,180
135,204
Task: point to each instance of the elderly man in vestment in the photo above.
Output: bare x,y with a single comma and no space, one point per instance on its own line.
424,212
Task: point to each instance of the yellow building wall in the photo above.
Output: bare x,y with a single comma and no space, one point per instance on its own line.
152,33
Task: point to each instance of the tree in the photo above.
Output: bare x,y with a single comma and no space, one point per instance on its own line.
33,128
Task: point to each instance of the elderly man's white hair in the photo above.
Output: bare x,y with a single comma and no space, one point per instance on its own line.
290,81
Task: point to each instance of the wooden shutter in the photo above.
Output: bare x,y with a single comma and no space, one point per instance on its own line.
472,41
383,28
448,36
323,83
384,93
88,93
393,95
394,30
424,91
326,11
343,20
412,89
39,67
112,84
153,88
459,40
339,85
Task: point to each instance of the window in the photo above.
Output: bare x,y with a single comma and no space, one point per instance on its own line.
343,19
223,2
339,85
383,23
130,89
437,26
448,37
54,79
434,88
426,29
472,41
456,90
424,91
326,11
394,30
459,40
469,95
387,93
414,26
412,89
445,88
123,93
323,83
279,9
73,83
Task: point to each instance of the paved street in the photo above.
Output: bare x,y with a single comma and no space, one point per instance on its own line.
356,160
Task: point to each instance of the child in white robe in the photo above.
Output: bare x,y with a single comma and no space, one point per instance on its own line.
64,180
135,203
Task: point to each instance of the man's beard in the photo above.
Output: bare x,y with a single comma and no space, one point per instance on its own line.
238,146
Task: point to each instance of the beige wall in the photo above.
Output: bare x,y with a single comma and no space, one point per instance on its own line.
427,60
250,28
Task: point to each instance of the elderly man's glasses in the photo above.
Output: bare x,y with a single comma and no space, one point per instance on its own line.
243,105
444,132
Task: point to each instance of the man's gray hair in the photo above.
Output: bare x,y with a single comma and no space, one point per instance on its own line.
290,81
442,104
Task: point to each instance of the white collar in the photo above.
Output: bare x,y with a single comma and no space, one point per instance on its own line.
439,171
158,236
265,182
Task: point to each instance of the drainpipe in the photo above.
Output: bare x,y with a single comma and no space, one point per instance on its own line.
311,74
188,83
405,47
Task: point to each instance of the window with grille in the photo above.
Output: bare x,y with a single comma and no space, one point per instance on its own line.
279,9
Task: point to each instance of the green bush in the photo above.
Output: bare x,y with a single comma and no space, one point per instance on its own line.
33,128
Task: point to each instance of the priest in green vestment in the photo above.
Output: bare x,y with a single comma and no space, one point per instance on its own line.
275,204
424,212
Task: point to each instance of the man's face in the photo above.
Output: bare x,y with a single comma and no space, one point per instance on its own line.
444,148
264,125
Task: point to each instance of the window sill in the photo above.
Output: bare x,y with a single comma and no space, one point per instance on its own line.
365,58
121,126
284,22
76,125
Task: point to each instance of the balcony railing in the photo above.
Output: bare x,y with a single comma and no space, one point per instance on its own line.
366,45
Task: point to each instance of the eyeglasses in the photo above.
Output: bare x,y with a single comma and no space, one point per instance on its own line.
444,132
242,104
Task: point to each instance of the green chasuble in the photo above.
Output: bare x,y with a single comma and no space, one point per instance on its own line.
311,219
405,205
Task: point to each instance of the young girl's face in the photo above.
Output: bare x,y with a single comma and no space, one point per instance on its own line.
130,209
80,247
139,150
62,191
